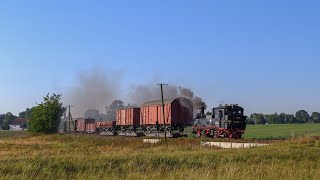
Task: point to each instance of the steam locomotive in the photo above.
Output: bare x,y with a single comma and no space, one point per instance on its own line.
223,122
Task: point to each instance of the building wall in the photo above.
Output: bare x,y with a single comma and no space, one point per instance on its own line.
15,128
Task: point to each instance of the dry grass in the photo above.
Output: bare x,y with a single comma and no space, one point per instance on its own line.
92,157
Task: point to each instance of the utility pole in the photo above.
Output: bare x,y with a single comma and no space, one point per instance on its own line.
163,114
69,120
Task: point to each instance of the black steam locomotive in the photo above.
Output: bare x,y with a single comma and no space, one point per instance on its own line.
224,122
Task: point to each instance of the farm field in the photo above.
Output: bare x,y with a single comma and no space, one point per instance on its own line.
11,133
25,156
281,131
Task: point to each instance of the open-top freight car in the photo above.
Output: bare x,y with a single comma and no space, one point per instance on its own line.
106,128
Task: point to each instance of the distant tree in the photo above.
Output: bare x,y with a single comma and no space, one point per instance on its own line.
272,118
281,118
250,121
92,114
1,119
25,114
302,116
258,118
131,106
116,104
289,118
111,110
315,117
46,117
7,120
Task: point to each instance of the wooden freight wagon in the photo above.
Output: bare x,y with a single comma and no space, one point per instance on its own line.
129,117
86,125
178,113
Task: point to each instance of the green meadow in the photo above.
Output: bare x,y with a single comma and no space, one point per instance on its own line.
281,131
26,156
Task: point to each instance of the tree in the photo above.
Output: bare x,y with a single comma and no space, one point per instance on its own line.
258,118
315,117
302,116
250,121
7,120
111,110
25,114
116,104
1,118
92,114
289,118
46,117
273,118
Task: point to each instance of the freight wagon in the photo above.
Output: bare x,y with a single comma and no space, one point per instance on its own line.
178,113
107,128
128,121
86,125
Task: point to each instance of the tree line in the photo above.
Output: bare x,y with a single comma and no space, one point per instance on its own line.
46,116
43,118
300,116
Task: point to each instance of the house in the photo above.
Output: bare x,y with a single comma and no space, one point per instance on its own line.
18,124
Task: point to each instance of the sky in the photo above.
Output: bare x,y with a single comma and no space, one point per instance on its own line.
262,55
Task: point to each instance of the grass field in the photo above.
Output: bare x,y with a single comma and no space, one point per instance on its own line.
281,131
25,156
10,133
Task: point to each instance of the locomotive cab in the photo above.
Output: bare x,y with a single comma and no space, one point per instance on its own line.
229,116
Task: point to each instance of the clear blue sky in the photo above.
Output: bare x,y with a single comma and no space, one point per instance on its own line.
264,55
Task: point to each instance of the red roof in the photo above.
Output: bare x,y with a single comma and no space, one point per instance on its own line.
19,121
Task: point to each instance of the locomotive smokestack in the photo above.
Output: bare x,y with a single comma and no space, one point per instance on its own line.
202,110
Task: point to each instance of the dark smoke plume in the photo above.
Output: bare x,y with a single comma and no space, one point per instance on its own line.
94,90
97,88
150,92
143,93
188,93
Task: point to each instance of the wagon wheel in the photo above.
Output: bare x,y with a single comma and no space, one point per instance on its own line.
215,134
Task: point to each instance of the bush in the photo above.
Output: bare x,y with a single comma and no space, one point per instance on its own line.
46,116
